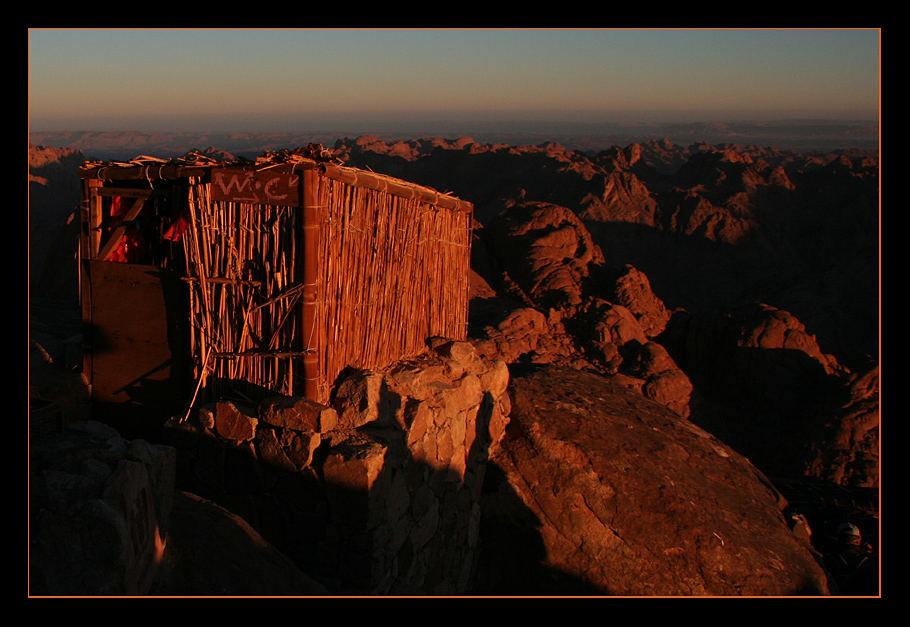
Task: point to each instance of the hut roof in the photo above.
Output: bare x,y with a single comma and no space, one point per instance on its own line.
196,164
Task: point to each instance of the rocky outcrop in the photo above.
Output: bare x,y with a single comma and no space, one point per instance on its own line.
556,267
547,250
106,520
657,376
624,198
525,334
847,451
764,386
756,329
766,327
376,493
603,491
612,326
600,337
631,289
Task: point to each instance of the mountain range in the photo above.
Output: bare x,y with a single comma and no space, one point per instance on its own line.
590,137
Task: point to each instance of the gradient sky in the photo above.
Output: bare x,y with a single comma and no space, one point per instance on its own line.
292,79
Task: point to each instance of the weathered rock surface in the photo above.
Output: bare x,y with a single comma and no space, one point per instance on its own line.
603,491
763,326
106,520
578,313
524,334
623,198
595,335
662,380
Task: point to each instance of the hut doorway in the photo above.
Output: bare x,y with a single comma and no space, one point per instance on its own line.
133,306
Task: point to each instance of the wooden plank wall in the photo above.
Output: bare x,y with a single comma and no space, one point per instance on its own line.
138,358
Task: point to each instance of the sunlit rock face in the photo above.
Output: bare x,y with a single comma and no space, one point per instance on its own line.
847,452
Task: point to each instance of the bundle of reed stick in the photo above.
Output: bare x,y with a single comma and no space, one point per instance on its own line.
393,272
240,261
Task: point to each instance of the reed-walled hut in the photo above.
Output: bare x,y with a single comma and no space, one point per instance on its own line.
200,275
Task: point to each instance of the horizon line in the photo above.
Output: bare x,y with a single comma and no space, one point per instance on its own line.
480,124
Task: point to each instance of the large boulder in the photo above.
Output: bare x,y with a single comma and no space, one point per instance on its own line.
604,491
662,380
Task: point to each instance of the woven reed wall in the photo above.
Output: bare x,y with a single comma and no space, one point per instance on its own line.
392,272
243,290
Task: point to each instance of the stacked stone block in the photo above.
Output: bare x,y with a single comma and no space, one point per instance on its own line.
376,493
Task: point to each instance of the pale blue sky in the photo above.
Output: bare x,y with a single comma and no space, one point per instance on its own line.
289,79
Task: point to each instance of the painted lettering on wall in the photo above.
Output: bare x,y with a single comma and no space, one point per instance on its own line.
265,187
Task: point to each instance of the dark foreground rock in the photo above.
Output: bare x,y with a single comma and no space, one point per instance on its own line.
99,508
603,491
105,520
211,551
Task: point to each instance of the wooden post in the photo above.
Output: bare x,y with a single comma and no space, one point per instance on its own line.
89,241
309,248
94,218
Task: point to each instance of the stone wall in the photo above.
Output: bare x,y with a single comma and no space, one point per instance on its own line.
376,493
